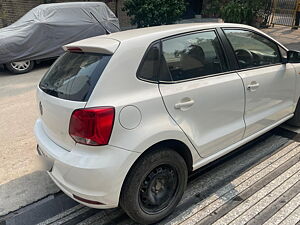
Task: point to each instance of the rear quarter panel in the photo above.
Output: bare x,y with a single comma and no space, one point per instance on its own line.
119,87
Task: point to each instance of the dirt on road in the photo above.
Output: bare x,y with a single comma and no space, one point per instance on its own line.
18,113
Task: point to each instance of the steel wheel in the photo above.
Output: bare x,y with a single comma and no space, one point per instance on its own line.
158,189
154,185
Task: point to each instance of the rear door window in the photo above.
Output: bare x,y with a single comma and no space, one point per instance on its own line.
192,56
74,75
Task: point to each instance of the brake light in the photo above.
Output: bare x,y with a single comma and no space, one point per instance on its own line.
74,49
92,126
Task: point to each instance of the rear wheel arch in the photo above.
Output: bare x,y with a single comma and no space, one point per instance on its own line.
176,145
184,160
181,148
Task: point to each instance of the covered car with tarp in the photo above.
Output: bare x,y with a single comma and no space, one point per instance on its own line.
41,33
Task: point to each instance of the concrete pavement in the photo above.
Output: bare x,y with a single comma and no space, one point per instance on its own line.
257,184
25,190
290,38
18,113
20,182
267,193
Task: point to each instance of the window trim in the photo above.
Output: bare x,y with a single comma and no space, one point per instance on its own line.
228,51
197,78
95,75
225,57
239,69
156,80
233,66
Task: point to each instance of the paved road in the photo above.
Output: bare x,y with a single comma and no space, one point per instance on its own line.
257,184
18,113
290,38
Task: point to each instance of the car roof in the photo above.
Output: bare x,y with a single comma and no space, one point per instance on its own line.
158,32
168,30
151,34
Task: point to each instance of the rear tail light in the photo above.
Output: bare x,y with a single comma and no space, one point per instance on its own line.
92,126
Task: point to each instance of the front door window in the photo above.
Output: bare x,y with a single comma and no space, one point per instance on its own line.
251,49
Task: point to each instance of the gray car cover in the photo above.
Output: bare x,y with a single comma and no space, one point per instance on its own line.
43,31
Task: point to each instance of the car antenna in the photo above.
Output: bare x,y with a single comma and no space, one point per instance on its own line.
107,32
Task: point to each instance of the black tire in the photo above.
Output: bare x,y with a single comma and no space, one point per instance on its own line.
14,69
295,120
159,176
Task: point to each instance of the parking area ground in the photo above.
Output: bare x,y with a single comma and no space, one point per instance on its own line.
290,38
257,184
18,113
267,193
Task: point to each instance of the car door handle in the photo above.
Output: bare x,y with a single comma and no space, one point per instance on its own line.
253,86
184,104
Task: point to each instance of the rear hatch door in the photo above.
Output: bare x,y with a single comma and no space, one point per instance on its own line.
65,87
55,114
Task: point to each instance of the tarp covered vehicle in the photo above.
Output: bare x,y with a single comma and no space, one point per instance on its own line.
41,33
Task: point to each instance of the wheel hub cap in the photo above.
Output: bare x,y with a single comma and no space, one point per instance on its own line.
21,65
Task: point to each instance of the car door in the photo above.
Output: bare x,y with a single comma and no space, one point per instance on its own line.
199,92
269,83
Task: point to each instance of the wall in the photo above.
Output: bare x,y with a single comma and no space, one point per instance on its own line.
11,10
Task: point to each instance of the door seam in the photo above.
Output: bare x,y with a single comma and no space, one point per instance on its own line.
158,86
245,102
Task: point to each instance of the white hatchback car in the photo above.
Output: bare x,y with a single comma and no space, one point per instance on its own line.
126,117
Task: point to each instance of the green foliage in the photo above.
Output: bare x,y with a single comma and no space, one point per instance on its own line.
242,11
146,13
237,12
212,8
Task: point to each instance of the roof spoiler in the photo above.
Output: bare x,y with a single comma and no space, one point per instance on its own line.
94,45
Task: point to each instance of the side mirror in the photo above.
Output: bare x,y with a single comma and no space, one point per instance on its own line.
293,56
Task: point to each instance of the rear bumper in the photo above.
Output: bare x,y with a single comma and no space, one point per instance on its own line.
92,173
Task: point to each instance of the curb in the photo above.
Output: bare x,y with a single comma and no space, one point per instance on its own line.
25,190
39,211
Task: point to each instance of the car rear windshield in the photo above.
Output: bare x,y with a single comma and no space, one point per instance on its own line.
74,75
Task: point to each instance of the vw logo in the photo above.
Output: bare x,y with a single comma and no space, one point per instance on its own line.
41,108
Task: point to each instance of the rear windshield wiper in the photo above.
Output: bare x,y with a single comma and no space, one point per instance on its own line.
51,91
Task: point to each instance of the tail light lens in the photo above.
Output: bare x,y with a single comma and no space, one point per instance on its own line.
92,126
